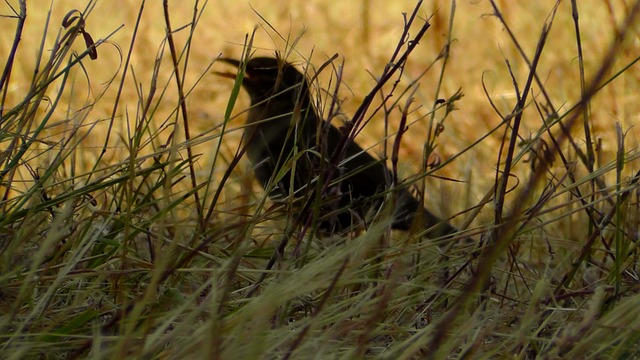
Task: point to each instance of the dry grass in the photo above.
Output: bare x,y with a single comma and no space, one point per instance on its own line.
130,228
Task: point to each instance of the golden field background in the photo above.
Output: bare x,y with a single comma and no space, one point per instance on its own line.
363,34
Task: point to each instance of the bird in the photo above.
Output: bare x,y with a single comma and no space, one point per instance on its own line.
290,146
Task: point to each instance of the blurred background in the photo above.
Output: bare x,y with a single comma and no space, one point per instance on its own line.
363,34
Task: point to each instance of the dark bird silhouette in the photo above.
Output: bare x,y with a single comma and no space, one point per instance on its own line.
290,146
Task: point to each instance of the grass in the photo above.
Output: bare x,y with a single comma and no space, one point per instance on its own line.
132,227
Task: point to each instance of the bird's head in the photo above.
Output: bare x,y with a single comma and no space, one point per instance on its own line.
269,77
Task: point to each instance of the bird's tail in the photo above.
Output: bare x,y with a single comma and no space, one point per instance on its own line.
409,211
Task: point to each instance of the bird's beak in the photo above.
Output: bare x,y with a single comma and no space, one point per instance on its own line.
230,61
228,74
